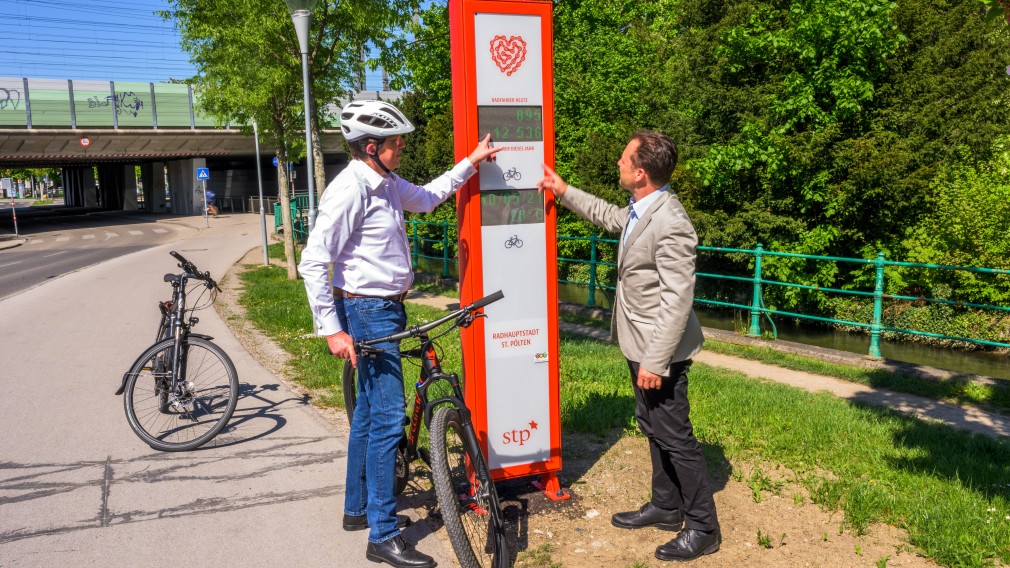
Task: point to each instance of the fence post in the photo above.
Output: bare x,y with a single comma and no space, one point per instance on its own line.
878,306
413,257
445,249
755,308
592,272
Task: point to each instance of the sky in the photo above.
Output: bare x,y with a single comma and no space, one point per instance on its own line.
95,40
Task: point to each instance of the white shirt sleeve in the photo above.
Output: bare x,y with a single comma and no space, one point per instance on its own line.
340,213
424,199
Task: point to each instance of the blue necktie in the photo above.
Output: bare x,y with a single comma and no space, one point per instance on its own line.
632,221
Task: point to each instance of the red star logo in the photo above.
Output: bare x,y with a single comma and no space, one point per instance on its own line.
533,425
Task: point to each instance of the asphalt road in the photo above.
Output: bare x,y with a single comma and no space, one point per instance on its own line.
58,245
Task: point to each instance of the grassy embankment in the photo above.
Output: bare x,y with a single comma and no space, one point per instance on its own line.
950,490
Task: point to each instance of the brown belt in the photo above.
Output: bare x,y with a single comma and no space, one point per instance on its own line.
342,294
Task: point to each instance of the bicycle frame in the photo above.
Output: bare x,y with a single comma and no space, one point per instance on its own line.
431,372
174,323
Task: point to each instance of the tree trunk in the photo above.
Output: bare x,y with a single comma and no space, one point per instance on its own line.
284,196
317,152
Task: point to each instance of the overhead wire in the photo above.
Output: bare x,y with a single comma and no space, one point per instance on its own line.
59,39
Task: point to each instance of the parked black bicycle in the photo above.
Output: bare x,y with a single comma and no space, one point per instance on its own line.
182,390
463,485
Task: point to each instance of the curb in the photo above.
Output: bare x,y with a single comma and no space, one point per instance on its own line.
12,243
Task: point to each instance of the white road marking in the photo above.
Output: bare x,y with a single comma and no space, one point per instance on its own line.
135,233
109,235
56,253
62,239
35,242
86,237
159,230
10,264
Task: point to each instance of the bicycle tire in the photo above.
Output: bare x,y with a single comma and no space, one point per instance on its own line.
471,513
350,383
192,417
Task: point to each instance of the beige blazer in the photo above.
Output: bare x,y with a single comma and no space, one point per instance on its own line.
653,316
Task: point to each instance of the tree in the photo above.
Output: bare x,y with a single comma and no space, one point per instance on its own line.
249,68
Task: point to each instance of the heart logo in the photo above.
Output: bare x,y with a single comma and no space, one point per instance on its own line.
508,53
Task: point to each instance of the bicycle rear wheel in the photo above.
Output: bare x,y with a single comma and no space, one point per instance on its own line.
350,382
466,495
196,410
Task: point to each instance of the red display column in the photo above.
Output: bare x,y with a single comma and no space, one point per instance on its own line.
502,73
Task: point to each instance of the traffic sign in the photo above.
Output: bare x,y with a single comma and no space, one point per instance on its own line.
276,163
85,141
203,173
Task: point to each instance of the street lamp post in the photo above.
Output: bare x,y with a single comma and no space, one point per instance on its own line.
259,181
301,15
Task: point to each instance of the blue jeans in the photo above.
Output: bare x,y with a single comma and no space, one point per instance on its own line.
377,427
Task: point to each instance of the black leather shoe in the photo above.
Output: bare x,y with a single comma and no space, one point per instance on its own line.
399,553
360,522
690,544
649,516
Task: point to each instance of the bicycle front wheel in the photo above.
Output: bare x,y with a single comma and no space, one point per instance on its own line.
466,495
187,413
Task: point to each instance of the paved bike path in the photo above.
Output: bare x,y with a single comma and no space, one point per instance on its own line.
78,488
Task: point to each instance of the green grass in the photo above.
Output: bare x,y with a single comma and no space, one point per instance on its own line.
950,490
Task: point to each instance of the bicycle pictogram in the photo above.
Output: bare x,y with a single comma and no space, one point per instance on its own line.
512,174
514,241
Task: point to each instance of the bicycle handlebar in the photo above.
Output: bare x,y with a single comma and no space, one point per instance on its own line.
192,271
417,330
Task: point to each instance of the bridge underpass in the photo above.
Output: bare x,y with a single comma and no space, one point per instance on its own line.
98,132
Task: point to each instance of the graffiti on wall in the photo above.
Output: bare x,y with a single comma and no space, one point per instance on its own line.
9,99
127,102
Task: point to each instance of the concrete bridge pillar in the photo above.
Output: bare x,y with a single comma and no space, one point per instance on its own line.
130,188
111,186
153,178
186,192
79,187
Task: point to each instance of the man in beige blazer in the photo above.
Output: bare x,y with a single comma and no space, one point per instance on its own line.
658,331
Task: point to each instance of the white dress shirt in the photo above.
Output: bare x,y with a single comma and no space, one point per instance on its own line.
360,229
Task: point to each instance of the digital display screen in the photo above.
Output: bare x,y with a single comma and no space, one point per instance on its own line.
511,123
515,207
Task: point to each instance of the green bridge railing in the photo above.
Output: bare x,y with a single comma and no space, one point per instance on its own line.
432,245
299,217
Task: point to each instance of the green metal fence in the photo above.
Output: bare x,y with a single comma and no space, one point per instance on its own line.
299,217
433,245
757,307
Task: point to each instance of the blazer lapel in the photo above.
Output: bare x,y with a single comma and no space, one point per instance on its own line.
642,224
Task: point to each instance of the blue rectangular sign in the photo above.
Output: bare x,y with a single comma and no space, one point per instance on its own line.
203,173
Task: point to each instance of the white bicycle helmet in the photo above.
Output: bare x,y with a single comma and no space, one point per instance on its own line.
377,119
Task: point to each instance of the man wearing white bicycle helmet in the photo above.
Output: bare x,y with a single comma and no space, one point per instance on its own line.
360,230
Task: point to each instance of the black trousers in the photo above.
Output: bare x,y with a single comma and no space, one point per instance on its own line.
679,472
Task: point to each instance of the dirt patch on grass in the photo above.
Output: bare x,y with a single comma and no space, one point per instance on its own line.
609,475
